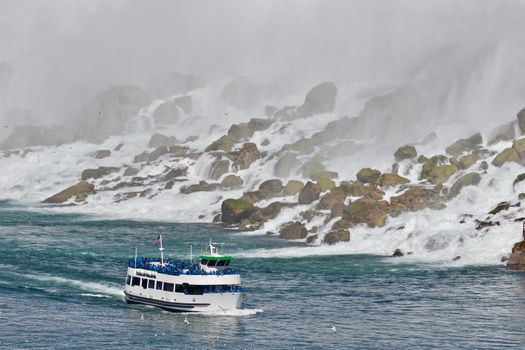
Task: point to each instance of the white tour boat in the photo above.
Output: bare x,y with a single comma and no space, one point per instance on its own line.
181,285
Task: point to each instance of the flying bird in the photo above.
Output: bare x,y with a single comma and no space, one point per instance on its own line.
186,320
334,329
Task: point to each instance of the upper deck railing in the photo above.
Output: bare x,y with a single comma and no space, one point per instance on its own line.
175,267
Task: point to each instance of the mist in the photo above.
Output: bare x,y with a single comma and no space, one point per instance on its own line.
57,56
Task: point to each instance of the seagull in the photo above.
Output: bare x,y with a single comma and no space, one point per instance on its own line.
6,126
334,329
142,317
186,320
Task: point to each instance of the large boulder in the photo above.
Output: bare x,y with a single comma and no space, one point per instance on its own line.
293,230
430,164
336,236
240,132
309,193
97,173
312,167
366,211
332,198
285,165
320,99
225,143
506,132
259,124
470,179
80,191
232,182
415,199
468,160
464,145
441,173
111,111
368,175
517,259
271,187
159,140
235,210
267,213
246,155
202,186
507,155
405,152
102,153
389,179
28,136
293,187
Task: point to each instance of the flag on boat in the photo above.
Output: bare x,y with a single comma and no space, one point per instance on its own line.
157,240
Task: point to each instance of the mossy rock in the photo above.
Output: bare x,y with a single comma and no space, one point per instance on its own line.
368,175
467,161
405,152
389,179
235,210
232,182
518,179
519,147
464,145
336,236
505,132
366,211
505,156
293,187
326,184
285,165
470,179
422,159
441,173
430,164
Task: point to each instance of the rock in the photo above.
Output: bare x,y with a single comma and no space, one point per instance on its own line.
232,182
500,207
293,230
464,145
456,258
517,259
518,179
312,167
521,196
130,171
259,124
366,211
267,213
483,165
309,193
185,103
174,173
80,190
467,161
253,196
202,186
247,155
293,187
217,219
486,223
118,147
441,173
320,99
312,238
176,151
159,140
326,184
337,236
415,199
323,174
422,159
26,136
398,253
225,143
392,180
470,179
265,142
329,200
169,185
341,225
519,146
219,167
521,121
507,155
167,113
271,187
357,189
395,168
97,173
285,165
235,210
337,209
506,132
367,175
405,152
240,132
303,146
111,111
102,153
430,165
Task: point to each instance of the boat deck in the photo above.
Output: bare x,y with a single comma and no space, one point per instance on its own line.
176,267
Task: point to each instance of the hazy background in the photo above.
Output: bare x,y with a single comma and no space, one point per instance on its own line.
57,55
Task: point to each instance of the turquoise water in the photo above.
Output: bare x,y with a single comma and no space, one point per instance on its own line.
61,276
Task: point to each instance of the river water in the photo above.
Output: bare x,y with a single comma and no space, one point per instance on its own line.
61,277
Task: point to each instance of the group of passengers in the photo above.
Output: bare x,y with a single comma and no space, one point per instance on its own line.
174,267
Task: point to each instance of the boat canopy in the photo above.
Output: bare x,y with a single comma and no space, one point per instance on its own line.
215,257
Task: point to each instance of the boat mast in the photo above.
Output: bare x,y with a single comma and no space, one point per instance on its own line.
161,248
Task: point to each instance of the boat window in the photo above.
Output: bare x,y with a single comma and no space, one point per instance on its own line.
168,287
135,281
211,263
195,290
179,288
144,283
159,285
204,261
227,262
221,262
151,284
128,280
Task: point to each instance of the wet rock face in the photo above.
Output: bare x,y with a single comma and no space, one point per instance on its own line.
159,140
521,121
219,168
320,99
80,191
336,236
309,193
285,165
271,187
235,210
367,211
368,175
392,180
465,145
415,199
97,173
293,230
246,155
225,143
467,161
26,136
441,173
405,152
102,153
470,179
334,197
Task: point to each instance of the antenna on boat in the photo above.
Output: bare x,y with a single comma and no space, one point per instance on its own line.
161,248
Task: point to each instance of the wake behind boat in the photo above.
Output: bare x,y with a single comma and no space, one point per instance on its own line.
180,285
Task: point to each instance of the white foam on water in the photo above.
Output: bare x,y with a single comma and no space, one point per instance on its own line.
234,312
